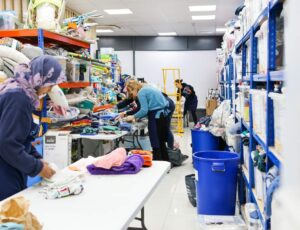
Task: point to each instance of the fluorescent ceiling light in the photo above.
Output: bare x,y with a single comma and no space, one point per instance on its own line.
221,30
118,11
167,34
203,8
204,17
104,31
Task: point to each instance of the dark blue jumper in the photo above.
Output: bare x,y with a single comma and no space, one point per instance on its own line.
18,158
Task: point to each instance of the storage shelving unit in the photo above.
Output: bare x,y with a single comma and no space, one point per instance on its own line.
44,38
249,41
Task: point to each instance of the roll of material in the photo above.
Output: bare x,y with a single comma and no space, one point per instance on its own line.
16,56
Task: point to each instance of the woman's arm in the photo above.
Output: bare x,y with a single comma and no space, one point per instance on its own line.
144,107
15,125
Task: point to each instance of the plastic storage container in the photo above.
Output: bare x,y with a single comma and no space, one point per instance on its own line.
7,20
279,103
259,111
204,141
253,224
260,184
216,182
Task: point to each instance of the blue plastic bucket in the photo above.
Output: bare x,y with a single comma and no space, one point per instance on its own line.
204,141
216,182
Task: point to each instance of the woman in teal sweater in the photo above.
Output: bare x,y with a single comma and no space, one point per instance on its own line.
155,106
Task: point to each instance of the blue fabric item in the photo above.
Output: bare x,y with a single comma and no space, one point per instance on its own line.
18,158
270,191
151,99
125,126
110,116
11,226
254,215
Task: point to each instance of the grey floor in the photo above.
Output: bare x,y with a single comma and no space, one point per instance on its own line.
169,207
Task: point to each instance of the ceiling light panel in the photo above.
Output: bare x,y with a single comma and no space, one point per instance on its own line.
104,31
203,17
118,11
167,34
203,8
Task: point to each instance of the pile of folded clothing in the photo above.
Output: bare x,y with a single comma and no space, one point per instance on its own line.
147,156
116,162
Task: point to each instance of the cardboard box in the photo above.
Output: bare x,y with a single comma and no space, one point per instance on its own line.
211,105
57,148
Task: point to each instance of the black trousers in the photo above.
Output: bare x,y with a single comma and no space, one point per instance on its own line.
193,113
161,153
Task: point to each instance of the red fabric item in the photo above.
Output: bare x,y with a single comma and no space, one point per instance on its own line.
102,108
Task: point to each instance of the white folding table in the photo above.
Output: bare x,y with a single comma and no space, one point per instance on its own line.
108,202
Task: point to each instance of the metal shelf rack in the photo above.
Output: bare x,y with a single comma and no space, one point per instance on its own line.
249,41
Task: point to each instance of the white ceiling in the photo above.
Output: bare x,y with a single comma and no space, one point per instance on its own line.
152,16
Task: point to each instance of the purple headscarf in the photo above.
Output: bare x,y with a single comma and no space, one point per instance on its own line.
41,72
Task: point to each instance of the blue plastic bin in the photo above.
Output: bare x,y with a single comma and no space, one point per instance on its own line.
216,182
204,141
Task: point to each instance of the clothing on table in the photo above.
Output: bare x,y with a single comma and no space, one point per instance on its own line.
147,156
115,158
131,106
132,165
151,99
64,183
18,158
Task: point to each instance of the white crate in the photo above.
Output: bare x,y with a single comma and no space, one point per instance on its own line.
279,102
246,155
259,112
260,184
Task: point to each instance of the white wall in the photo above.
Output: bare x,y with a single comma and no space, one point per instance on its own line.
198,68
126,58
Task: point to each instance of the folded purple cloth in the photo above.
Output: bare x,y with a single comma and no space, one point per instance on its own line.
132,165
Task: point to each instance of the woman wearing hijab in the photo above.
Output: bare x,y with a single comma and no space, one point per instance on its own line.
19,98
191,100
154,105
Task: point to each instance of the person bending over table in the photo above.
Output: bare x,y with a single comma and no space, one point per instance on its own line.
19,98
155,106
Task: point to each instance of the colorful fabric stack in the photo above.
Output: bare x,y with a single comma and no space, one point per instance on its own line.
147,156
102,108
116,163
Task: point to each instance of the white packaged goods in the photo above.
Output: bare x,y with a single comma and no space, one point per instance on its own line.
253,224
57,148
246,155
221,222
7,20
259,112
262,47
45,16
260,184
279,102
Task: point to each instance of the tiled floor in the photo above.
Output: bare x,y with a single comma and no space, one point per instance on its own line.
169,207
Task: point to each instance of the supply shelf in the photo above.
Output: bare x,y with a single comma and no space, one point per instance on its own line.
43,37
255,80
72,85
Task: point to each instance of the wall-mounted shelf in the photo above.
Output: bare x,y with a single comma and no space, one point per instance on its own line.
69,85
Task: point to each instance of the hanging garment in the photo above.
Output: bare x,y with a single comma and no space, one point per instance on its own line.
132,165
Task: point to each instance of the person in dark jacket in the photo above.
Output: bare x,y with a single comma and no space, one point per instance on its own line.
19,98
191,100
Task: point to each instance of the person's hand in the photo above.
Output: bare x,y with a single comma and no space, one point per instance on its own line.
122,115
130,119
47,172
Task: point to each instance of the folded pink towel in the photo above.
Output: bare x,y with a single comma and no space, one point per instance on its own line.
115,158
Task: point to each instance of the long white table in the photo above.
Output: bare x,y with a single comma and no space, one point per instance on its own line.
107,202
100,137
